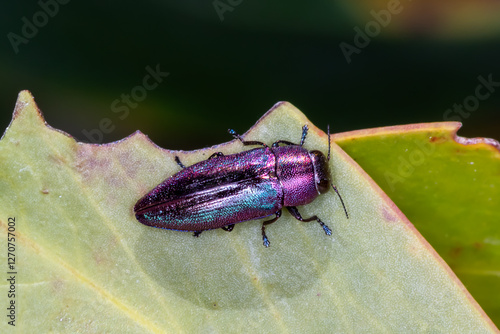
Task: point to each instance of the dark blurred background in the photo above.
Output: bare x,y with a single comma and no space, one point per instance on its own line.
229,61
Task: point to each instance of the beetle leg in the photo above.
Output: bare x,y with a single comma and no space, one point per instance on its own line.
304,134
245,142
293,210
216,154
179,162
286,142
228,228
197,233
267,222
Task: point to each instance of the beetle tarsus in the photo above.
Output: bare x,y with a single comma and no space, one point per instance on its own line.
293,210
266,241
179,162
197,233
228,228
304,134
267,222
325,228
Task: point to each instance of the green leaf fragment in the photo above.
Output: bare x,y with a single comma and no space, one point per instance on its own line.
449,187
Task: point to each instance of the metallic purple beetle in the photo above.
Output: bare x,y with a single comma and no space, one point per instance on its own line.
228,189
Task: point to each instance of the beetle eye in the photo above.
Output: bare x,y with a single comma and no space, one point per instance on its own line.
320,166
323,186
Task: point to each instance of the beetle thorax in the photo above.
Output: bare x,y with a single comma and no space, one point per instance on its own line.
295,171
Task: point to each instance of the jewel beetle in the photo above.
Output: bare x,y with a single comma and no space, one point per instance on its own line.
228,189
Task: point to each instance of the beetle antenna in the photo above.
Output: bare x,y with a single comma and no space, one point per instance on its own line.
328,132
328,157
341,201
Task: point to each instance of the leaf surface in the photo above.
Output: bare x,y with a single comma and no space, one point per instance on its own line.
85,263
449,187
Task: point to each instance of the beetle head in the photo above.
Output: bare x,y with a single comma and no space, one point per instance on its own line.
321,173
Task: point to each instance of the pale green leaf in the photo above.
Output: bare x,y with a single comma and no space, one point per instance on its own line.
85,264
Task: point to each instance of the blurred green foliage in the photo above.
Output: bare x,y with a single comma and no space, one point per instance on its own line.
228,73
